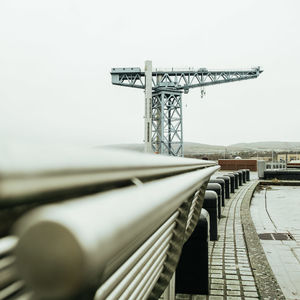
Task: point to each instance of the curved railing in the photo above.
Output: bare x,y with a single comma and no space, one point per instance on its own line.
115,228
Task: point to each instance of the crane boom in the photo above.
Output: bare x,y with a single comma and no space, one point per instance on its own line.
166,106
180,79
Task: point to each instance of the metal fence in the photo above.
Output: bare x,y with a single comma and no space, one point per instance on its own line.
275,165
95,224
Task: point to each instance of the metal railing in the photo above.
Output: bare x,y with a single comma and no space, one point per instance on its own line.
116,227
275,165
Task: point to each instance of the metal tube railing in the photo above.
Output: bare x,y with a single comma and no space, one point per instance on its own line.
146,248
106,240
77,228
149,258
151,265
55,170
150,284
7,245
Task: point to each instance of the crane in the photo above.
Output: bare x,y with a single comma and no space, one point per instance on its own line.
163,98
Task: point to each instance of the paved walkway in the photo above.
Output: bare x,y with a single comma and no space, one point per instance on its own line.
230,271
231,276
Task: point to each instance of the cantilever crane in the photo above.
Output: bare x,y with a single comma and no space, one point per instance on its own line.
163,99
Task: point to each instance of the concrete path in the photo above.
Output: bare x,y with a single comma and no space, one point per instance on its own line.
276,209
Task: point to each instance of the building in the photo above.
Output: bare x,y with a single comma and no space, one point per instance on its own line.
265,158
287,157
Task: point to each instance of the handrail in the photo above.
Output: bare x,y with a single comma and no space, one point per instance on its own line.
26,174
96,229
117,243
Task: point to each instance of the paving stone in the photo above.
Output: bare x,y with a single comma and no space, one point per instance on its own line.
216,271
251,294
229,261
249,288
215,297
216,260
246,273
242,260
232,281
251,283
217,280
230,272
216,292
233,287
244,268
217,267
230,266
250,278
214,275
234,293
229,276
217,263
217,286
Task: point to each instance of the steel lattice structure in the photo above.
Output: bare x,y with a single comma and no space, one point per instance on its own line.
166,136
167,123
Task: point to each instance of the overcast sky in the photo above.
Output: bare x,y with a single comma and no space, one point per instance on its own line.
56,57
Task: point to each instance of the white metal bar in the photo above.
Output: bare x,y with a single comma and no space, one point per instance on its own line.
122,285
11,289
145,267
147,280
30,171
6,262
7,244
93,231
145,292
106,288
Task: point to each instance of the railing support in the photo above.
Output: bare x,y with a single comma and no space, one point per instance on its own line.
169,293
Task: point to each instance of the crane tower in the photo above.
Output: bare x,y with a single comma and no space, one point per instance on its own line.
163,99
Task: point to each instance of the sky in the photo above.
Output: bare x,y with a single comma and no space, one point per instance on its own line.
56,58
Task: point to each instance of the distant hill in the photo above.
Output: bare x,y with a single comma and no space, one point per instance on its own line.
197,148
267,146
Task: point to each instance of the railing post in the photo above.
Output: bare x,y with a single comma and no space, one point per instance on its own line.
169,293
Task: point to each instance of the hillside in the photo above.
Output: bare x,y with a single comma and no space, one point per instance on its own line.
196,148
281,146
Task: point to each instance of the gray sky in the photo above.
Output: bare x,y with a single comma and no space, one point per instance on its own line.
56,56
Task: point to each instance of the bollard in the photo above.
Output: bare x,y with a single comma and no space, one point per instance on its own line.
210,203
232,182
247,174
217,188
192,270
227,185
240,177
236,179
221,182
244,176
